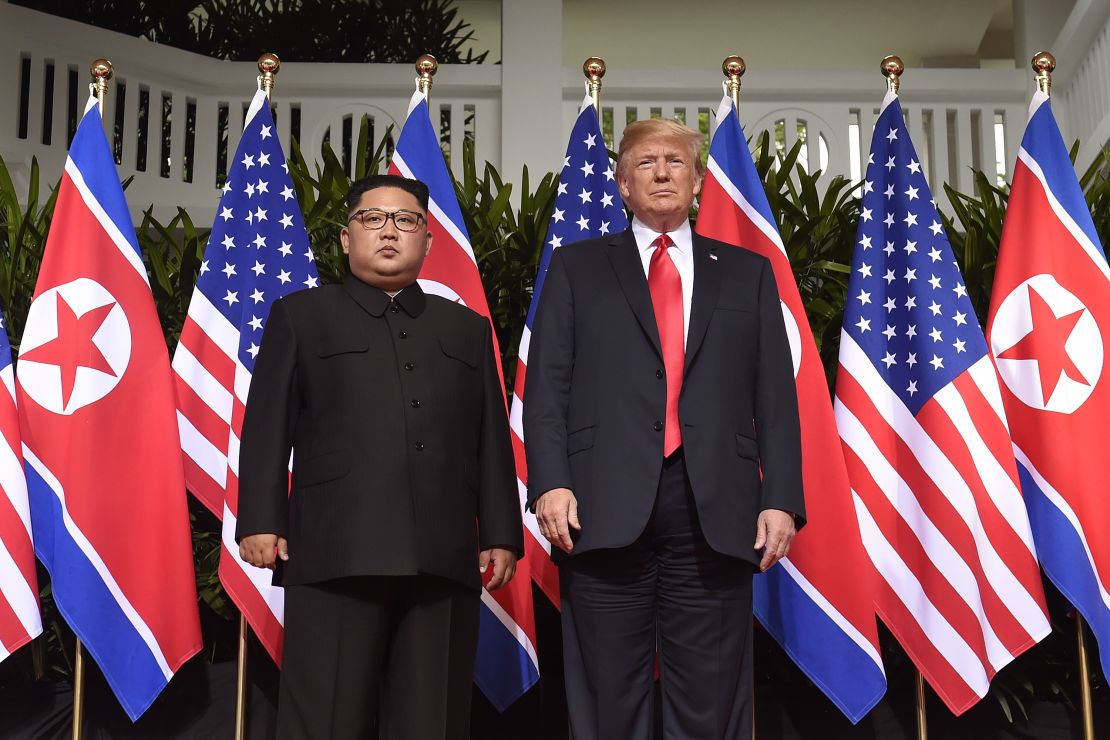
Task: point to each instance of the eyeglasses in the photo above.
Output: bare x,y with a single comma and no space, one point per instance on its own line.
373,219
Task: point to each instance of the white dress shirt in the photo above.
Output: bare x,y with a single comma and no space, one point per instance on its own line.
681,253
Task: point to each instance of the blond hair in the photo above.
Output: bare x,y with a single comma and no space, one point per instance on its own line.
660,128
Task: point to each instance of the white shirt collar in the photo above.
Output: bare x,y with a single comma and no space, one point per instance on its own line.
645,237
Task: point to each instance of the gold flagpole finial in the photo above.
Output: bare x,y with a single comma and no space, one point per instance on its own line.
1043,64
892,68
268,67
101,71
426,68
734,68
594,69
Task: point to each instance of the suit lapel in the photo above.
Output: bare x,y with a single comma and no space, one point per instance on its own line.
630,274
707,285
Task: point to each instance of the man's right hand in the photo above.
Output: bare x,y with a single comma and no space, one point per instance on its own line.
262,550
556,512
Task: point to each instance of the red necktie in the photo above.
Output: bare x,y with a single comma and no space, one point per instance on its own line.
665,285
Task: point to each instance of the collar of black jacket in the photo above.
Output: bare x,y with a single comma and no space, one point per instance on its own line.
375,300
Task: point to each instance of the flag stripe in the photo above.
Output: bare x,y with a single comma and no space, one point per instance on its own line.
91,603
919,607
18,598
939,569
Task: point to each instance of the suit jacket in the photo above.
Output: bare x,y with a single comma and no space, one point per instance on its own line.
403,462
595,397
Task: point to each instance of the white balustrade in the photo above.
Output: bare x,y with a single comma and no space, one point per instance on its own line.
954,115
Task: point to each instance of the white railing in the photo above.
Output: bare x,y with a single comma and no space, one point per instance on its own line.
1081,84
958,118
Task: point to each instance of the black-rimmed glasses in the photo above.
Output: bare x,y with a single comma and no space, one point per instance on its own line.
373,219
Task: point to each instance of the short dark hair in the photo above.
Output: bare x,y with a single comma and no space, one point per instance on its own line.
415,188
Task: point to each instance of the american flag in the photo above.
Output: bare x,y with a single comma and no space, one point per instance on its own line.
258,251
506,665
929,456
19,592
818,607
1049,328
587,205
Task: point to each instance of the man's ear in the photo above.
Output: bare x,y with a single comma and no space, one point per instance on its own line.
699,180
345,240
428,244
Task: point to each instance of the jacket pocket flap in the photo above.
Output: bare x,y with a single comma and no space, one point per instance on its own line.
332,346
320,469
464,352
581,439
747,447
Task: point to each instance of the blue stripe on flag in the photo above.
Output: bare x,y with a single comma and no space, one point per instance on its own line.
89,607
730,151
412,146
498,648
1065,561
1042,141
90,152
817,644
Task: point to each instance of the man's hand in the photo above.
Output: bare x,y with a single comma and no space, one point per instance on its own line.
556,512
775,531
504,566
262,550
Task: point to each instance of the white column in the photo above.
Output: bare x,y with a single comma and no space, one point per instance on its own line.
531,87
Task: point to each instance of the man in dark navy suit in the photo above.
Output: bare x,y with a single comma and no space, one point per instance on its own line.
404,490
663,447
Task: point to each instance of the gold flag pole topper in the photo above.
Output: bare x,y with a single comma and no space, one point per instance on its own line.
1044,63
426,68
892,68
594,69
734,68
101,71
268,67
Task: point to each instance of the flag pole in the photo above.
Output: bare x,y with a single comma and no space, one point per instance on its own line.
594,69
1043,64
426,68
919,686
1084,680
268,66
734,68
101,71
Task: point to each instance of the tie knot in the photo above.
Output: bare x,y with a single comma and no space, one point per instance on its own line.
662,242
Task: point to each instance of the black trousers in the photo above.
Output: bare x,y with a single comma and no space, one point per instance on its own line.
388,657
668,590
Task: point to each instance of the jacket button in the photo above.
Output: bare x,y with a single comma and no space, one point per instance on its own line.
415,403
659,374
419,446
393,309
402,335
657,426
409,366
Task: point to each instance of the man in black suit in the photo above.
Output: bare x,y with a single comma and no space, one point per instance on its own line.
659,388
403,486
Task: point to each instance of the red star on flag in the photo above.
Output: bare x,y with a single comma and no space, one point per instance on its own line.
1045,344
73,347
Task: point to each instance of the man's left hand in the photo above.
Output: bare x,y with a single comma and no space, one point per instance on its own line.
504,566
774,531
